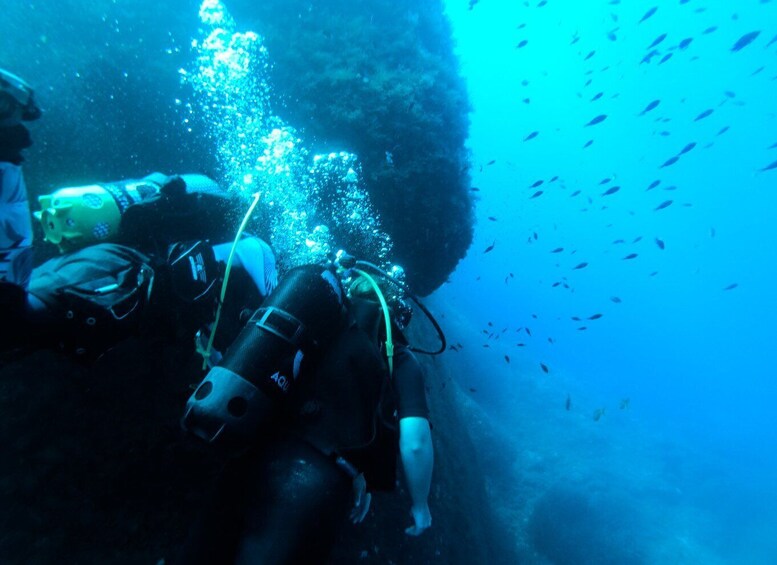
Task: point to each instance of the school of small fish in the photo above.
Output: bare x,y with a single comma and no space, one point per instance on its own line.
662,48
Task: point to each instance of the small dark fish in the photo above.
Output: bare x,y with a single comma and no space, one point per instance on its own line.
544,367
550,340
772,41
555,284
649,13
473,389
528,331
611,35
605,181
597,120
490,247
745,40
591,54
558,250
657,40
522,43
575,193
709,30
582,328
535,235
616,299
554,179
612,190
536,184
687,148
520,345
653,184
637,239
670,161
651,106
491,162
541,3
631,256
665,58
507,358
532,135
581,266
595,317
723,130
492,218
568,403
660,243
683,45
597,96
536,194
575,318
475,189
770,167
647,58
703,115
598,413
575,40
619,241
732,286
588,143
526,101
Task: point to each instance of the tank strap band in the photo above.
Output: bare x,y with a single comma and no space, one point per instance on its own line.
280,323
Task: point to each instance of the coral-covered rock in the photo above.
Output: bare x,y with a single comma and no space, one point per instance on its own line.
380,79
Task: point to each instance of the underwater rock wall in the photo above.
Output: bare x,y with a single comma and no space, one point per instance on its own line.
380,79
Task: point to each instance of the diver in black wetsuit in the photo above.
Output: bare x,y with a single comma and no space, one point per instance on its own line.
318,400
344,405
140,257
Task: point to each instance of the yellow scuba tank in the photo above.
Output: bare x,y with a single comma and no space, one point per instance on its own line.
78,216
74,217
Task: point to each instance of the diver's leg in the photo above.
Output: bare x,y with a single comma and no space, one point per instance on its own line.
297,499
16,252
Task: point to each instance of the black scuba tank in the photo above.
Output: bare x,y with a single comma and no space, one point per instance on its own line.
245,391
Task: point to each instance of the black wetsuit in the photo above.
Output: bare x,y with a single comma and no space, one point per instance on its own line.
283,502
87,301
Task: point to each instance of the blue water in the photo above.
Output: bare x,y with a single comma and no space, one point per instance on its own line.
695,361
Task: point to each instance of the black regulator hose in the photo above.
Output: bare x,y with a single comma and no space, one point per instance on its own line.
377,270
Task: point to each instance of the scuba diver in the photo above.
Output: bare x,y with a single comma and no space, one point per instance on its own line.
139,257
314,399
17,105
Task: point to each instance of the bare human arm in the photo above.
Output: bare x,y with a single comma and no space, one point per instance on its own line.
417,453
